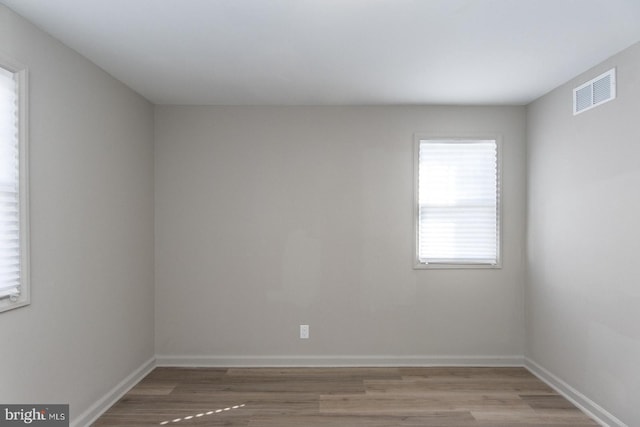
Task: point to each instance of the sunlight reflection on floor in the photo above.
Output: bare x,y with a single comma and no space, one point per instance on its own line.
202,414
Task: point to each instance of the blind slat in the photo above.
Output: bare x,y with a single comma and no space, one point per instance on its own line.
10,291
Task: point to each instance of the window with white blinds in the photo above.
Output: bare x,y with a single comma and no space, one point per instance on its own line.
458,203
14,287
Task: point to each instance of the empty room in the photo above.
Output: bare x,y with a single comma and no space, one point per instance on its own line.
268,213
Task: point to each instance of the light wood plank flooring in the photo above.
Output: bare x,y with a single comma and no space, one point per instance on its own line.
348,397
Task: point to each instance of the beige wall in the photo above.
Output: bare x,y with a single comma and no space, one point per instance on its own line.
268,217
90,323
583,293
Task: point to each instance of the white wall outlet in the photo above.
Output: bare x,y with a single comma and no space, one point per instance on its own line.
304,332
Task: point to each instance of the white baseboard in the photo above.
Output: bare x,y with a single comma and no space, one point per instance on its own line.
101,406
588,406
335,361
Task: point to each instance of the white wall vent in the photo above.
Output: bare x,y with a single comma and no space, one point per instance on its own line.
595,92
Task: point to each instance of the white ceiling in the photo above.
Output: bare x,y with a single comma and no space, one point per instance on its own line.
340,52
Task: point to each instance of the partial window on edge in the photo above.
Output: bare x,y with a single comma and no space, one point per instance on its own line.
457,214
14,226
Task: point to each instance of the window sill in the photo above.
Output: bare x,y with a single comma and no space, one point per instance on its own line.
452,266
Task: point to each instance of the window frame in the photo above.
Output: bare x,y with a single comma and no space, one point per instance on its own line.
417,139
22,76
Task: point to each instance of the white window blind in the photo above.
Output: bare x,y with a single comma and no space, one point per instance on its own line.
10,256
458,202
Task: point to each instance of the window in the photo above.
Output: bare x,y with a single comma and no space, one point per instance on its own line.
457,202
14,240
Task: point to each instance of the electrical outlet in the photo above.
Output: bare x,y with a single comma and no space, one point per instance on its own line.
304,332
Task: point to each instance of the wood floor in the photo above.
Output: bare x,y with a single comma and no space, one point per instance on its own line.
348,397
